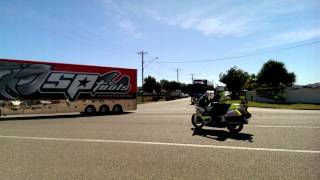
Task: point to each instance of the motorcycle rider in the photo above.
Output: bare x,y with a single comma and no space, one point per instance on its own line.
212,103
217,96
203,100
217,104
210,98
211,110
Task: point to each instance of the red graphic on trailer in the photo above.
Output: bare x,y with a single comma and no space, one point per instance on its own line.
36,80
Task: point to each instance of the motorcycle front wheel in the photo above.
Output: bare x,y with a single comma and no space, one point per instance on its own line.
196,121
235,128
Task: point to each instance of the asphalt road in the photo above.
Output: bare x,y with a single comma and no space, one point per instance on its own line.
157,142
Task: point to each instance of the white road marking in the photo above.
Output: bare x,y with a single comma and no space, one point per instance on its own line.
163,143
266,126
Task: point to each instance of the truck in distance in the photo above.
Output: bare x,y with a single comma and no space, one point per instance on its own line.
198,88
30,87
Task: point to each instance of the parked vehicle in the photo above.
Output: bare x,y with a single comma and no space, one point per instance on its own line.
175,94
29,87
214,114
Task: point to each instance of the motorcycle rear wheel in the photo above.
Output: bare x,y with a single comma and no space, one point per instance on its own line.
235,128
196,121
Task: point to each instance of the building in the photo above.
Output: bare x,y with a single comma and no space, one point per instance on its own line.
296,94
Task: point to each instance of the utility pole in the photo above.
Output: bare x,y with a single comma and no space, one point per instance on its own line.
178,74
142,69
192,77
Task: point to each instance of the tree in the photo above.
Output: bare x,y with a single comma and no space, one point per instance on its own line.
185,88
274,73
158,88
251,84
149,84
170,85
174,85
164,84
235,80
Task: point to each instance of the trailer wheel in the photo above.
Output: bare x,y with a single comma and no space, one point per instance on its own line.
117,109
104,109
90,110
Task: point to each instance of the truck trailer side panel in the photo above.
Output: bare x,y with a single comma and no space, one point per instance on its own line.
57,87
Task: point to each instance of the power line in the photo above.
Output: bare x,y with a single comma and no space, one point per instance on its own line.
147,65
48,16
157,72
241,56
178,78
152,60
82,35
99,38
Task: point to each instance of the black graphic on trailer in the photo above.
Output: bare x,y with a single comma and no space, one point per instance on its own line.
18,80
25,80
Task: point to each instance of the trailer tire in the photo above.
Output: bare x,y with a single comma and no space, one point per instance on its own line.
117,109
104,109
90,110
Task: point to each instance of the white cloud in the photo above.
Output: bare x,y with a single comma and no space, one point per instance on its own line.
223,18
285,38
128,27
218,18
221,27
228,23
188,23
300,35
124,23
110,4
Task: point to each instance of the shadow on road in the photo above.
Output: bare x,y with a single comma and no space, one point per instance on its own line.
221,135
53,117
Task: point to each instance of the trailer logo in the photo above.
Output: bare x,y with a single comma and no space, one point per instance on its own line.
20,80
72,84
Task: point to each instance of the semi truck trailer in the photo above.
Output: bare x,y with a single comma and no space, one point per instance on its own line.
198,88
32,87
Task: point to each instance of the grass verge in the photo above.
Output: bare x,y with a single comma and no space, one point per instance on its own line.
280,106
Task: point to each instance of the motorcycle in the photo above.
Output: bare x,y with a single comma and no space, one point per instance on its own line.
231,116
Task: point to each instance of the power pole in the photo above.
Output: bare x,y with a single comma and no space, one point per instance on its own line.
192,77
178,74
142,69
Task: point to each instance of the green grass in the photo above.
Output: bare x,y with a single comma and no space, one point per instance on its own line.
280,106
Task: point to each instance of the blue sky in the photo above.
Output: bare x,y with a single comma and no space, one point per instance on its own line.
110,33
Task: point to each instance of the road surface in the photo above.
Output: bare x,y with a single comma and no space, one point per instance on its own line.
158,142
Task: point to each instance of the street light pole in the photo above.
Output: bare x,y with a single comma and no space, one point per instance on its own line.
142,70
178,74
